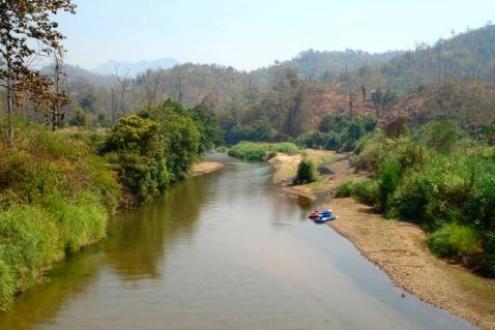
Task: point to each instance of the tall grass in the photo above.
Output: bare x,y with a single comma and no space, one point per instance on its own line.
55,197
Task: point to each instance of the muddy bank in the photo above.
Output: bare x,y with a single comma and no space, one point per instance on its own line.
398,248
205,168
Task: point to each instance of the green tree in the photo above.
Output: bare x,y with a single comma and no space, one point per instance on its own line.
211,133
306,172
139,153
181,135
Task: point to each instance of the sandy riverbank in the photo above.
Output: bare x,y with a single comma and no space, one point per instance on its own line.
398,248
205,168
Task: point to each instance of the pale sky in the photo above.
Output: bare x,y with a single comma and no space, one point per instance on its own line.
255,33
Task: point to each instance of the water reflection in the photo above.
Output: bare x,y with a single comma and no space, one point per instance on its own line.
138,239
135,248
67,281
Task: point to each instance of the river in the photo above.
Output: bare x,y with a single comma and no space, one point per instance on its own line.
227,250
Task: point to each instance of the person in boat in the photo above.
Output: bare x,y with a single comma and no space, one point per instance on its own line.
314,215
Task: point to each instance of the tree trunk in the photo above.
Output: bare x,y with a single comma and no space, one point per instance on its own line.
55,109
351,110
10,129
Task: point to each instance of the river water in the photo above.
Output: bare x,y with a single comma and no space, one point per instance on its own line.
224,251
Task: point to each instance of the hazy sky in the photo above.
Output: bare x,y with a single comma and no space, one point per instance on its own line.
254,33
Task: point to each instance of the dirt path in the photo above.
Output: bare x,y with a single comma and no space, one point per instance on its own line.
205,168
399,249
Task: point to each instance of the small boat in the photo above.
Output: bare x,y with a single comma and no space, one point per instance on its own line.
321,216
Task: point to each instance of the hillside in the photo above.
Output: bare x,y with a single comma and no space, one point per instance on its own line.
469,56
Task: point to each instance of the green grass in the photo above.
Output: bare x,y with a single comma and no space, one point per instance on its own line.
55,198
453,241
261,151
366,191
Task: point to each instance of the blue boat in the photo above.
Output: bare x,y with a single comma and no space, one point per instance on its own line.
321,216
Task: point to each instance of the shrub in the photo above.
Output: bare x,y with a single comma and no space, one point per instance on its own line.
388,180
344,189
261,151
284,147
453,241
365,191
413,197
306,172
440,135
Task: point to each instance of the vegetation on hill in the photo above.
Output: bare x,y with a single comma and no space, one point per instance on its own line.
337,132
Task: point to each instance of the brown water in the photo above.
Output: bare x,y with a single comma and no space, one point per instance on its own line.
223,251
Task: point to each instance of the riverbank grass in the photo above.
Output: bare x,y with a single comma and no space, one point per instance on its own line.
55,198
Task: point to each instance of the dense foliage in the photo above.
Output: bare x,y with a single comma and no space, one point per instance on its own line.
153,148
55,197
338,132
438,178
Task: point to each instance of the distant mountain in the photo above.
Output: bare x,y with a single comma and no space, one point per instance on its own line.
76,74
135,68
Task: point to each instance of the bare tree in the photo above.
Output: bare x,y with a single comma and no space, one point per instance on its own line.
113,106
150,83
124,83
179,90
60,98
27,30
349,87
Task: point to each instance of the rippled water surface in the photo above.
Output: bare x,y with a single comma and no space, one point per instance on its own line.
227,250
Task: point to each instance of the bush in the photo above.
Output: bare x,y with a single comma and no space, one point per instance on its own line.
442,136
260,151
306,172
344,189
284,147
453,241
365,191
388,180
